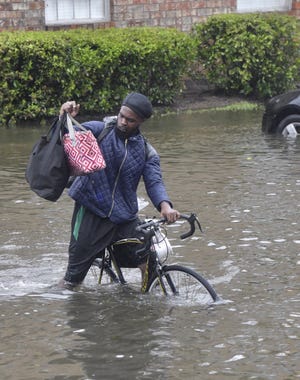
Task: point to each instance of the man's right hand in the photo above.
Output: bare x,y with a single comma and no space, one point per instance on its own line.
71,107
167,212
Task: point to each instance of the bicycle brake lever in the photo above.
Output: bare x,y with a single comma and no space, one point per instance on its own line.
199,225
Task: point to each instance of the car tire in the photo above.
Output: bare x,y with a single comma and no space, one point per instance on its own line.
289,126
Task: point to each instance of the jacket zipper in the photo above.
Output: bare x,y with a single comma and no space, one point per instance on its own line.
117,179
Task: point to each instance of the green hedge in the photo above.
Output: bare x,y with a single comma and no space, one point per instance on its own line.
40,70
250,54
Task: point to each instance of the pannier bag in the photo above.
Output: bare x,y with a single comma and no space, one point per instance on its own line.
82,149
47,170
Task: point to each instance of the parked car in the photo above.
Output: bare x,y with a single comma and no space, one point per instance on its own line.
282,114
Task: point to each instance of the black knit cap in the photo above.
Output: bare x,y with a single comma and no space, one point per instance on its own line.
139,104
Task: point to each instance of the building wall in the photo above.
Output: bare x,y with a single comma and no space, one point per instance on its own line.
295,8
22,15
181,14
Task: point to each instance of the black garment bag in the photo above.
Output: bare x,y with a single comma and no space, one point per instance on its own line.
47,170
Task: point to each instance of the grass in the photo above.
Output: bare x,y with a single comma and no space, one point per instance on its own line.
237,106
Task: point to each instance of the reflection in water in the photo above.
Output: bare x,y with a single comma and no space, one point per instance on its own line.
245,188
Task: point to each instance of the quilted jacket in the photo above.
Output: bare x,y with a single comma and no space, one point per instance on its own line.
112,192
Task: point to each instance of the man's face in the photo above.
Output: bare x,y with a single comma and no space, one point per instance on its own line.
128,121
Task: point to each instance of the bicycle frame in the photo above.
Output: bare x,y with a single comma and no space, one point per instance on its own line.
148,231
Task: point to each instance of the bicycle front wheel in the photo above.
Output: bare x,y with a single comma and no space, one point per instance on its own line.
184,283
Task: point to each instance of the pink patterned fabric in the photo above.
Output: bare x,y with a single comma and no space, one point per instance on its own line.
84,155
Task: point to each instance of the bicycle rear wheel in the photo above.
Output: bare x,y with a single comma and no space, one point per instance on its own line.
108,275
184,283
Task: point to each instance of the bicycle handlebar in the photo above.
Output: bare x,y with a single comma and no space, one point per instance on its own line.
192,219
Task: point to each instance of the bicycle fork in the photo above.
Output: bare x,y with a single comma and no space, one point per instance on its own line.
163,278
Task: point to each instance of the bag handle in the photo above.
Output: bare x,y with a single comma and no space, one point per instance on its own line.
70,127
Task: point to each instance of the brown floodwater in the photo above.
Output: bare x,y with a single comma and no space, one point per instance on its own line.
245,188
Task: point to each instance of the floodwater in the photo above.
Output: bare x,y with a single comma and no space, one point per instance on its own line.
244,186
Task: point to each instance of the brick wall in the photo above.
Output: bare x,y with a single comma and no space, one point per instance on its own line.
29,14
22,15
181,14
167,13
295,8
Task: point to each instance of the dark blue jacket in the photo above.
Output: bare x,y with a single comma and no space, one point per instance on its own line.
112,192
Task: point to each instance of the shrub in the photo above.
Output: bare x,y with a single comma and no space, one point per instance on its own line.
250,54
40,70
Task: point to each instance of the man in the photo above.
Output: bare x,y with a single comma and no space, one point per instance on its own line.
106,205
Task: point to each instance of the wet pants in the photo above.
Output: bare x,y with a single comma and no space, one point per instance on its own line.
90,236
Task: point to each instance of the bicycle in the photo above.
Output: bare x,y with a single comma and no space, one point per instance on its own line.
173,279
